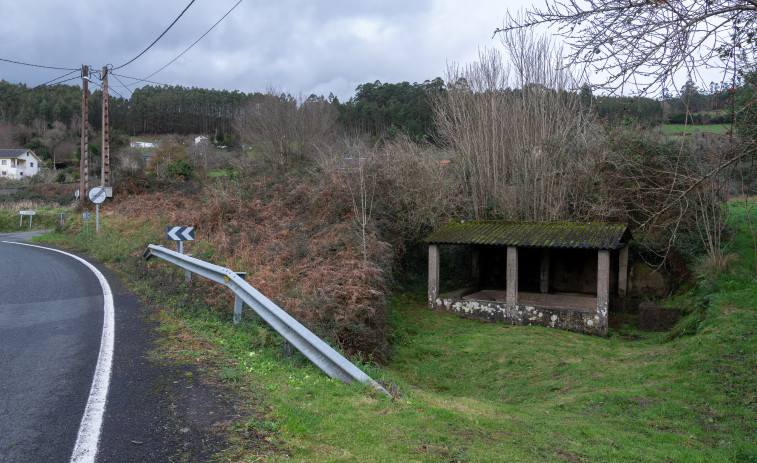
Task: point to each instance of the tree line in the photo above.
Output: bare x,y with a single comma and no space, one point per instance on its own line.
150,109
376,108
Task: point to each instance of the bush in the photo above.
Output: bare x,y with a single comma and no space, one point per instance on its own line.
180,168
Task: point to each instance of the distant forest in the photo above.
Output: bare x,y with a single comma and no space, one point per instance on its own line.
375,108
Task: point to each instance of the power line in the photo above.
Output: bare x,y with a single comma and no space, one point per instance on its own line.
122,84
136,79
37,65
159,37
195,42
110,88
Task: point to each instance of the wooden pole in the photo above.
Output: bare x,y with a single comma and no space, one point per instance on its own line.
105,159
83,158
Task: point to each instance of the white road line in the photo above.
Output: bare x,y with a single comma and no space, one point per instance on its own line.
85,449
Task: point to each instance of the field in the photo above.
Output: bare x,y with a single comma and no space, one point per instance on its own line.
677,129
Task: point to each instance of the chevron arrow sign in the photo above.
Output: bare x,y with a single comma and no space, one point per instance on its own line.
180,233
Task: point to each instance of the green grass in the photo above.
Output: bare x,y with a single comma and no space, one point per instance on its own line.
217,173
476,391
678,129
46,217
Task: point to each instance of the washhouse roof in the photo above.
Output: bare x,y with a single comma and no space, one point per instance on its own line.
576,235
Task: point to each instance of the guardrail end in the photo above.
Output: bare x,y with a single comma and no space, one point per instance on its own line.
379,388
147,254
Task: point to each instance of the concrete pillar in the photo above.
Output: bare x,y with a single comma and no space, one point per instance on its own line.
623,272
433,273
512,277
544,273
603,289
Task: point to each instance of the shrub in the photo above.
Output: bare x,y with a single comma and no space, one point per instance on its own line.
180,168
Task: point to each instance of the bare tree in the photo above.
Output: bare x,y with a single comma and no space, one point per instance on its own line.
517,130
57,138
400,186
361,181
643,42
288,131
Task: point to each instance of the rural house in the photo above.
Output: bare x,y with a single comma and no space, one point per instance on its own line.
565,275
19,163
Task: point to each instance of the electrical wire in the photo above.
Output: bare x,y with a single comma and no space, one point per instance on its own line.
193,44
136,79
110,89
37,65
123,84
159,37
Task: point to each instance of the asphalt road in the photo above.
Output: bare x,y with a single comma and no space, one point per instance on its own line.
51,316
51,322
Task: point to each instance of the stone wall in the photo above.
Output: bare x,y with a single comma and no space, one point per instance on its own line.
576,320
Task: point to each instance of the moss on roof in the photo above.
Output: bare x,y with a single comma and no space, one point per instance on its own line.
582,235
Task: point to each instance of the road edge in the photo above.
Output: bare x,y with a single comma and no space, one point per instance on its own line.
88,437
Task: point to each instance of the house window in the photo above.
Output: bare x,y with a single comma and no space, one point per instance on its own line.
5,161
31,164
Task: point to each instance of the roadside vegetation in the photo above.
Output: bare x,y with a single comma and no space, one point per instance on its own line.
47,201
472,391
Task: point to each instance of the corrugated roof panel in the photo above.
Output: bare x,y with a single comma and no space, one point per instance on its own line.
585,235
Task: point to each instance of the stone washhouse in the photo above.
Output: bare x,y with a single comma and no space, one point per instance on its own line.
565,275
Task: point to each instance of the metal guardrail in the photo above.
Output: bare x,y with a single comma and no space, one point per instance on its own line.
321,354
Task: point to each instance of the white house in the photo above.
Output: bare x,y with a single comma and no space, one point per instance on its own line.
17,164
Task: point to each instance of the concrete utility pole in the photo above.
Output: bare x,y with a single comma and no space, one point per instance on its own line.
105,160
84,156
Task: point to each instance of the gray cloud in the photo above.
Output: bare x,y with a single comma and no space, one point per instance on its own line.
295,46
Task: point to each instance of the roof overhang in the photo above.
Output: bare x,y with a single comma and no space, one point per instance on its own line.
570,235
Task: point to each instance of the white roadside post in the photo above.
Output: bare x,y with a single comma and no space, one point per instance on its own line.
97,195
181,234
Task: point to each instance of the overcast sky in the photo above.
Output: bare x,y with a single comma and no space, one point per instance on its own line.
301,47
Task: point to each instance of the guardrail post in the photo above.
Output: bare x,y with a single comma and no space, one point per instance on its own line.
238,302
180,250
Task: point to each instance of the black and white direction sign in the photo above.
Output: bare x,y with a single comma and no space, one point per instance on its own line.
97,195
180,233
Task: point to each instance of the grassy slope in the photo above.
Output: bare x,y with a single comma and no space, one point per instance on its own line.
681,128
47,217
476,391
